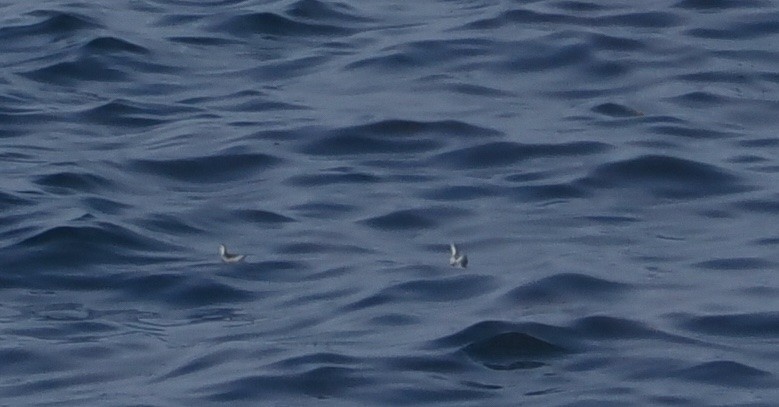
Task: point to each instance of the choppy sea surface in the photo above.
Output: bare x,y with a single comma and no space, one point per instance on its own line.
611,169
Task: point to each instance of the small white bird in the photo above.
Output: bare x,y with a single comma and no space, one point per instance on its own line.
229,257
458,259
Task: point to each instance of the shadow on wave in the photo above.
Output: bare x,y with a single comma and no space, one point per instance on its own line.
566,287
601,18
504,153
438,290
9,200
410,219
268,23
180,290
73,182
710,5
342,175
665,177
319,382
111,45
758,26
242,101
392,136
199,363
86,245
604,327
727,373
322,210
335,12
54,24
214,168
502,345
616,110
84,68
461,192
127,113
735,264
414,55
99,59
549,192
321,247
758,324
260,216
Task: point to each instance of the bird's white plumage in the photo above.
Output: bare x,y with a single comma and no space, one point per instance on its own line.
229,257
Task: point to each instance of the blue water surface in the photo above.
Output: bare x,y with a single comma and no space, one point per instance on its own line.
611,169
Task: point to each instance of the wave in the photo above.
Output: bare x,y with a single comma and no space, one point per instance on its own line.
603,164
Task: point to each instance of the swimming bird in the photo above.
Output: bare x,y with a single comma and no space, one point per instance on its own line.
229,257
458,259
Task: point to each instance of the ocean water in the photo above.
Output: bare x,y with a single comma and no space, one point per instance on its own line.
610,168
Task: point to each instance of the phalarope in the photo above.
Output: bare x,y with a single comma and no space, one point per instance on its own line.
458,259
229,257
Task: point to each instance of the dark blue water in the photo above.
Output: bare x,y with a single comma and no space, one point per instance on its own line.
610,168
